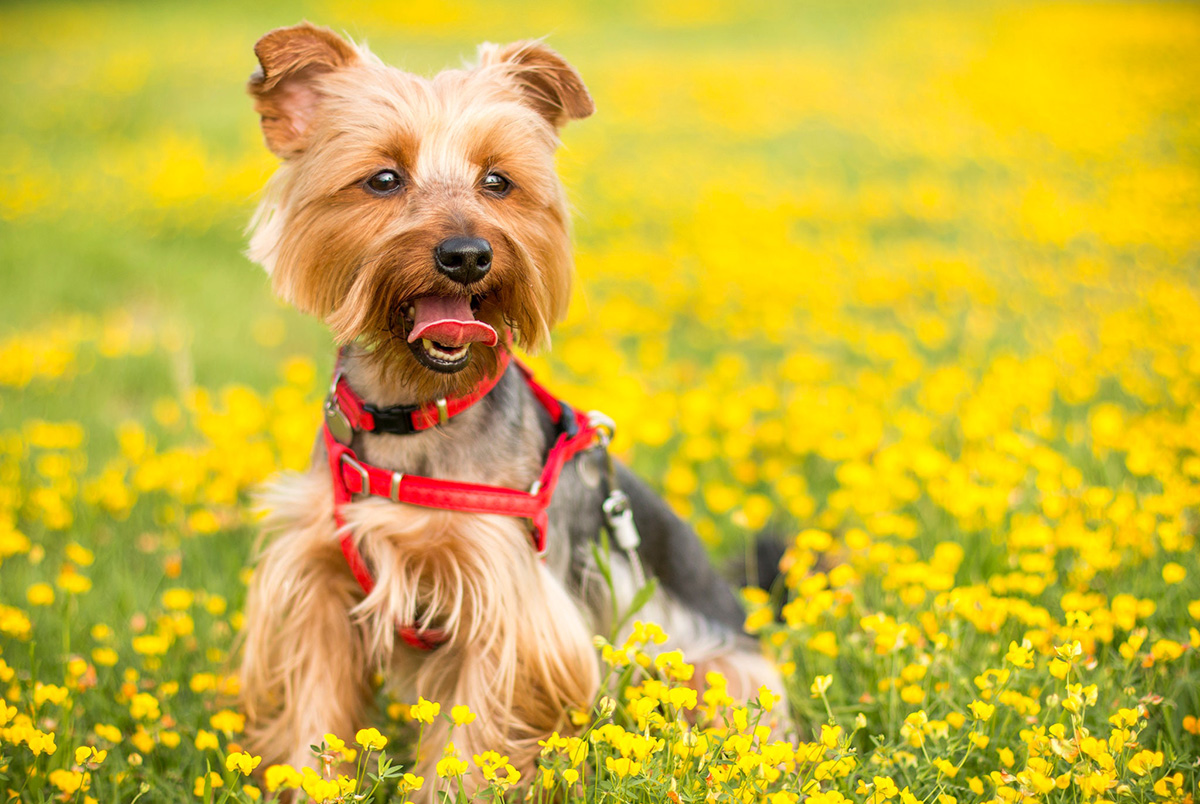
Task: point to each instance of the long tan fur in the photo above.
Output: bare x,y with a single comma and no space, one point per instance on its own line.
519,654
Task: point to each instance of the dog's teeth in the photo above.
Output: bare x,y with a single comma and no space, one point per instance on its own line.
443,352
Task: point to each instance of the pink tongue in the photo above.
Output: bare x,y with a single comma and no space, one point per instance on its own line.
449,321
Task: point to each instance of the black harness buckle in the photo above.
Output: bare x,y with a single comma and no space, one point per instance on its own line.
396,420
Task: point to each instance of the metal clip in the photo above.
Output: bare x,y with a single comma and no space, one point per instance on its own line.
395,492
602,422
619,516
337,421
443,411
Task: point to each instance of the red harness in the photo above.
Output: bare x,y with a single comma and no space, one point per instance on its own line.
353,476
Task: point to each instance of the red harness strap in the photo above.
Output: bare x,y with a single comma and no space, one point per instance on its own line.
353,476
405,420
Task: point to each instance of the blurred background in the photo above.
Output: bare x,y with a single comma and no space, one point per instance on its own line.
804,229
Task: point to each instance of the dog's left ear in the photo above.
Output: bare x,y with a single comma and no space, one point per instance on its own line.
283,86
549,84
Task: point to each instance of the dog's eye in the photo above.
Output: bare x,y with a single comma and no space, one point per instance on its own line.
496,184
385,182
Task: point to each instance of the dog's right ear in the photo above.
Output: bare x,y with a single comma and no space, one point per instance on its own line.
289,59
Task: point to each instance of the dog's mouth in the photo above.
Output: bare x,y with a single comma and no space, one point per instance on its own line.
441,330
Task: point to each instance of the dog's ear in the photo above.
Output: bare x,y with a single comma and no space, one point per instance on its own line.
548,83
289,59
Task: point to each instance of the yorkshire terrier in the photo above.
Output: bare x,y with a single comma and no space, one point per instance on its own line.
444,538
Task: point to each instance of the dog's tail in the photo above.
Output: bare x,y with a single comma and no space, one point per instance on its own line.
758,565
763,570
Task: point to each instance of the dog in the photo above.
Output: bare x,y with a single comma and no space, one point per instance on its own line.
444,538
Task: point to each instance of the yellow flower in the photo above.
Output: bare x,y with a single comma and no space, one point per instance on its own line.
87,755
820,685
450,766
51,693
227,721
40,594
79,554
824,642
946,767
370,739
144,706
211,781
206,740
1173,573
758,619
622,766
40,742
982,711
69,782
1143,762
337,746
277,776
1020,655
242,762
142,740
72,582
150,645
424,711
177,599
105,657
767,699
462,715
107,732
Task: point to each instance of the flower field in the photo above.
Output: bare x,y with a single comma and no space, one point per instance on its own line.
915,286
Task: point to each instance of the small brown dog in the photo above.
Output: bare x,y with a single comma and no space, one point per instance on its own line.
424,222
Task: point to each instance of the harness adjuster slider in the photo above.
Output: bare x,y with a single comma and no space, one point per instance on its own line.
363,476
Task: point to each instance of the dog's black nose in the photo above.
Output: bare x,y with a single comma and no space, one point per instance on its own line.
464,259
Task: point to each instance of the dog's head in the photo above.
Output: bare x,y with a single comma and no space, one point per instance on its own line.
423,217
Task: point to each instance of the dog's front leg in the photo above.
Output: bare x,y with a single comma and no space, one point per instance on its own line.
304,669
